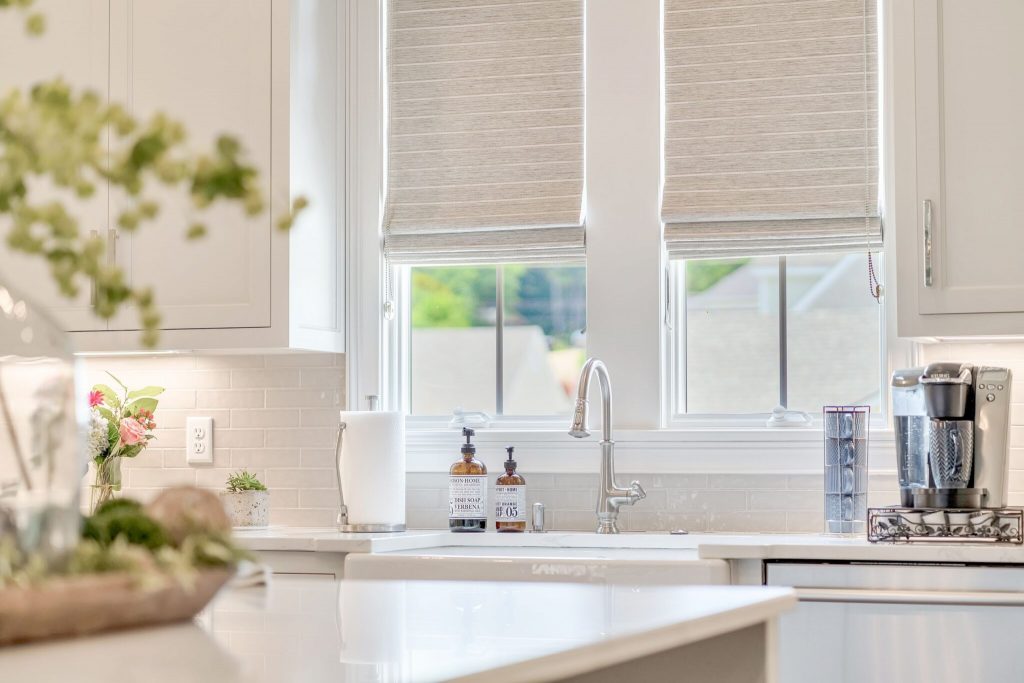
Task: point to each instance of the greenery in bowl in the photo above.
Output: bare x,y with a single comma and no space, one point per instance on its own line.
244,481
171,539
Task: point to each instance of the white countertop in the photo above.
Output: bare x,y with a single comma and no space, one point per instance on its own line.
708,545
327,540
314,629
829,548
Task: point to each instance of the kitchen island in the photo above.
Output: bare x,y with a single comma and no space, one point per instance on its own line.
319,629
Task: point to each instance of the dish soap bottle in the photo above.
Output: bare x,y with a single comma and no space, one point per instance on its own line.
467,490
510,498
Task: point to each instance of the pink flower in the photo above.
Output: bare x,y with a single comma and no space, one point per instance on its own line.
145,418
95,398
131,431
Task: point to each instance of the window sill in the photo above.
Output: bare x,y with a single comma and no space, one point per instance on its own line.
660,451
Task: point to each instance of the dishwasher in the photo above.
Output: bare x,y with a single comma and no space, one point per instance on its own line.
911,623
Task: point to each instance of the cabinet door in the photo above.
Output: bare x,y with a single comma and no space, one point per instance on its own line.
208,65
912,643
969,99
74,48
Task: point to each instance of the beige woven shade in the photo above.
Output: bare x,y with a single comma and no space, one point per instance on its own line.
771,127
485,138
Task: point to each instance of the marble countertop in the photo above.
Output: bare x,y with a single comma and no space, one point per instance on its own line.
315,629
707,545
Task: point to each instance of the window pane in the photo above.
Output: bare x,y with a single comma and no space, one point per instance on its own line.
731,353
834,332
452,340
543,345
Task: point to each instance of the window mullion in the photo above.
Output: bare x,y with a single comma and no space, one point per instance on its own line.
682,319
499,339
783,337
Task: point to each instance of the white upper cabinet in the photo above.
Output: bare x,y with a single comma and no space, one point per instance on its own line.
271,73
208,65
73,49
958,176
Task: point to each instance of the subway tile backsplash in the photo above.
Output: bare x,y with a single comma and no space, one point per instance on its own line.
272,414
275,415
676,501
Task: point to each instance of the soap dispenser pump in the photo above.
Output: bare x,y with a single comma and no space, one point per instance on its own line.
510,498
467,489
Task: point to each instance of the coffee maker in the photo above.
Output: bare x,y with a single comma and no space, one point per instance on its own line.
952,423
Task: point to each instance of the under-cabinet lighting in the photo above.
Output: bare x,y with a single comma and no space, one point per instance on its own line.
97,354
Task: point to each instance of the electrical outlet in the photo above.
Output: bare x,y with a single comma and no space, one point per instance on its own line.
199,440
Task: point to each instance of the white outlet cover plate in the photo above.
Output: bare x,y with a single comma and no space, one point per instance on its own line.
199,440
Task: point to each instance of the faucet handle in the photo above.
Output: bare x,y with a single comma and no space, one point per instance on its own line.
638,490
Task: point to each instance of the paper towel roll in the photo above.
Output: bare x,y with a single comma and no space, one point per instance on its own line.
372,466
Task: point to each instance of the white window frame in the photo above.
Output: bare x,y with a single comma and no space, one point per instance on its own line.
679,418
400,364
626,263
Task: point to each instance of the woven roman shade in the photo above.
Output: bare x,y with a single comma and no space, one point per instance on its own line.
771,133
485,138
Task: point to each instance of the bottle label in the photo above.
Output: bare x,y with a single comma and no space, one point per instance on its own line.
467,497
510,503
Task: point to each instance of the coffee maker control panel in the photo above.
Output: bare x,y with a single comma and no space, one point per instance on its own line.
991,433
993,383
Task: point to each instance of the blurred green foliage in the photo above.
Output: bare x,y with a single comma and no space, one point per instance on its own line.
550,297
702,275
35,23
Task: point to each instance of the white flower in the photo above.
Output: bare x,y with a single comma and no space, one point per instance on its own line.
99,441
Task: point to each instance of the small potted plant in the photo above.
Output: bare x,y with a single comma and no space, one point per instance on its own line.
246,500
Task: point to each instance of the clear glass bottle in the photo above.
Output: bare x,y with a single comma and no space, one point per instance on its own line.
42,437
510,498
467,489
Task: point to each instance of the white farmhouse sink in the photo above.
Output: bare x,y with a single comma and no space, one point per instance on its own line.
524,563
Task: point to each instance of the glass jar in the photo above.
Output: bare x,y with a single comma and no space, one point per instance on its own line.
41,431
846,468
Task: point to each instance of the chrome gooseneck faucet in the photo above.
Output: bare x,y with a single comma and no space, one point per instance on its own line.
609,495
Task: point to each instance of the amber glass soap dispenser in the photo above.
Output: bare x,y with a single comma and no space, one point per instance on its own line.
510,498
467,489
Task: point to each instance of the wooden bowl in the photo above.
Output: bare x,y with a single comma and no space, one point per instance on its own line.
73,606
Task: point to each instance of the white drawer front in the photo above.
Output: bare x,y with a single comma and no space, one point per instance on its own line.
896,577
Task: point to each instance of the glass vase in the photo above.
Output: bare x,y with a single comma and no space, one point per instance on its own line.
42,421
106,483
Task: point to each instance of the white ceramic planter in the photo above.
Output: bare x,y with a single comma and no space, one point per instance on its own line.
247,508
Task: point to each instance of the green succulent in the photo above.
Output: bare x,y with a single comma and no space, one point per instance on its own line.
244,481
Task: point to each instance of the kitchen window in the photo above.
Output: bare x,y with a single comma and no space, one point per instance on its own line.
750,334
771,206
665,284
484,206
506,340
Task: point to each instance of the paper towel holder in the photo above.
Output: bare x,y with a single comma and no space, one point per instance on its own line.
342,522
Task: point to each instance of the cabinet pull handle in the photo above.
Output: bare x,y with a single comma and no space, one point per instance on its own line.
927,208
92,284
112,237
909,597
